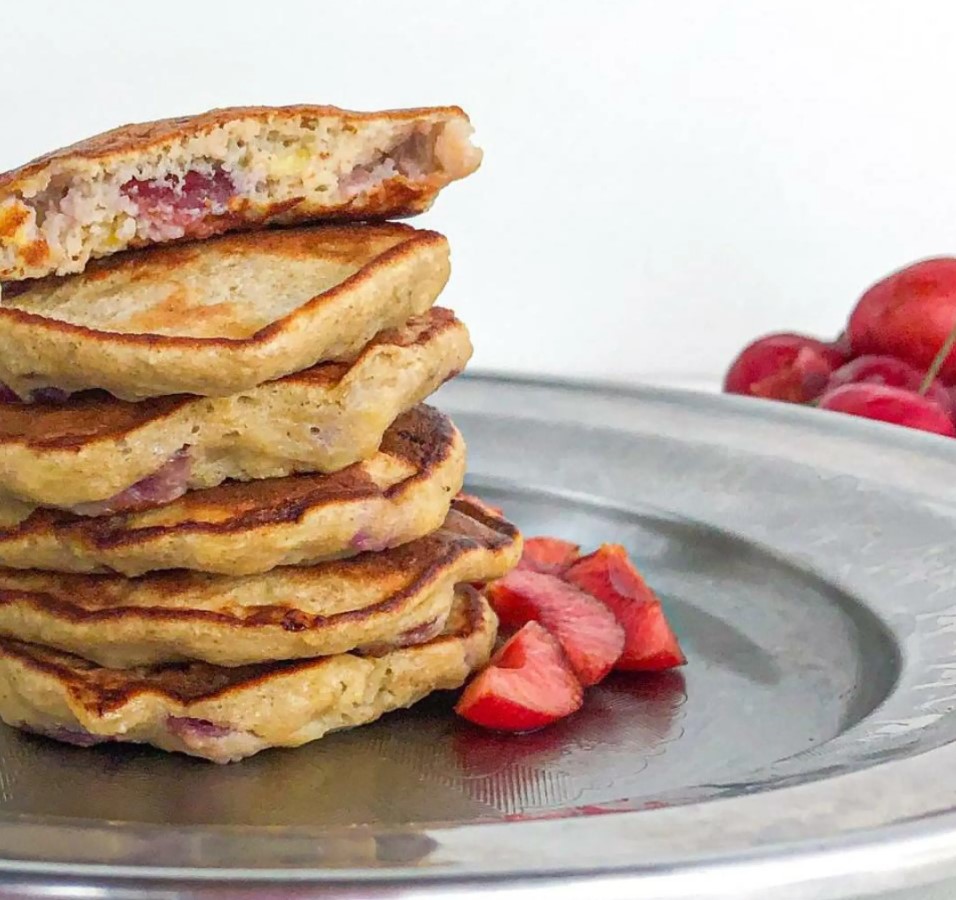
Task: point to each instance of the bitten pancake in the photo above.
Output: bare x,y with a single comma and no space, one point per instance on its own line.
102,455
401,493
224,715
290,612
198,176
220,316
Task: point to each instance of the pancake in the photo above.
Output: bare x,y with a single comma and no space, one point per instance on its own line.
219,316
89,452
401,493
199,176
290,612
225,715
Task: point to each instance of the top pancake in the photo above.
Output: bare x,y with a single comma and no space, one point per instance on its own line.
221,316
239,168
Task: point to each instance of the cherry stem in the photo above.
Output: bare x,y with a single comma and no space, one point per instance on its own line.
937,362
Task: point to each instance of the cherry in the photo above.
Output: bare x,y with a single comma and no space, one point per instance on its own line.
842,345
49,395
789,367
889,370
889,404
910,315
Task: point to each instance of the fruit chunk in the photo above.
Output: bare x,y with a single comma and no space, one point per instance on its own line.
585,628
842,345
527,685
789,367
909,315
889,404
166,484
180,203
49,395
552,556
892,372
649,643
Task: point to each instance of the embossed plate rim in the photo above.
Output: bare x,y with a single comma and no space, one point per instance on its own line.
843,836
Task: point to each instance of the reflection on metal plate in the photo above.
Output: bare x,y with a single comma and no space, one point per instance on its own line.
807,563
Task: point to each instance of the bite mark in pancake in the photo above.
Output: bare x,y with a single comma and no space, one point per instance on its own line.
240,168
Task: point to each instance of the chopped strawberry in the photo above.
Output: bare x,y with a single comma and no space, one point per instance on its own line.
585,627
610,576
552,556
527,685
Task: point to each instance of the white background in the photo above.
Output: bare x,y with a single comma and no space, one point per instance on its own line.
663,180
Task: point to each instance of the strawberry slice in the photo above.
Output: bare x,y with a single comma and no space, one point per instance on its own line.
585,627
527,685
549,555
609,575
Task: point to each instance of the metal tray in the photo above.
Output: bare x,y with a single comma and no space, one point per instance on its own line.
808,562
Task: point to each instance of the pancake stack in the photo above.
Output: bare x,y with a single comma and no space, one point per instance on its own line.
227,520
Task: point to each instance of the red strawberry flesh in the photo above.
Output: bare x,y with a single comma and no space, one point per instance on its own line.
526,686
552,556
586,629
609,575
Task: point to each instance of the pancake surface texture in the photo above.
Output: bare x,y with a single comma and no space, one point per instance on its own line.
289,612
401,493
244,167
225,715
90,451
220,316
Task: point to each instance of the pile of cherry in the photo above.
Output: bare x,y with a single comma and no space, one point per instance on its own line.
894,362
577,618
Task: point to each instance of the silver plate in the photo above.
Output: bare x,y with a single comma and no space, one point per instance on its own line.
808,562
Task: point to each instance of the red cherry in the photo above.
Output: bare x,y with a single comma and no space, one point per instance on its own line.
909,315
789,367
842,345
889,404
893,372
49,395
